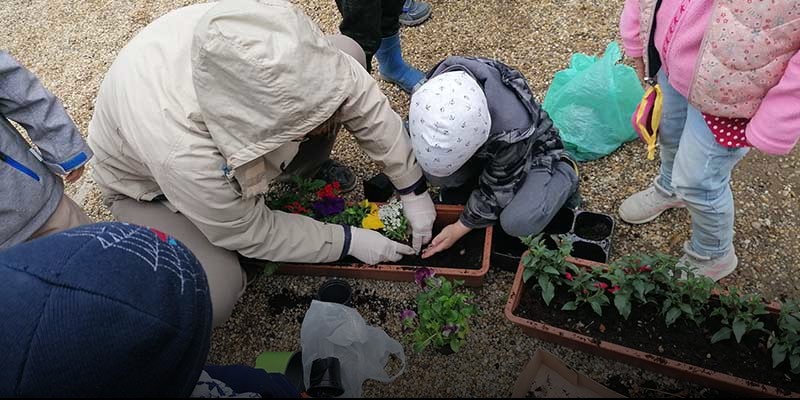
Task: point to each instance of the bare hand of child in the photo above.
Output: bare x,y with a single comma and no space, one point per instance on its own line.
74,175
446,238
638,65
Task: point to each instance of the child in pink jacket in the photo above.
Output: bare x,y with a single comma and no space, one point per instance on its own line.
730,77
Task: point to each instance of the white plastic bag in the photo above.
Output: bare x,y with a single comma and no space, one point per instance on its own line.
335,330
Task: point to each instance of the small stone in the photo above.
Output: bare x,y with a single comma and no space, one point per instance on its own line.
756,225
462,252
660,348
708,355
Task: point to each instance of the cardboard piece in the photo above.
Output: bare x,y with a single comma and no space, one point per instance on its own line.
546,376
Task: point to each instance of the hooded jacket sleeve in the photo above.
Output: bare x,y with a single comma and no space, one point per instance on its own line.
379,131
24,100
198,188
629,29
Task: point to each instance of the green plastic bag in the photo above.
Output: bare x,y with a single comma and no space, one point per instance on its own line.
591,103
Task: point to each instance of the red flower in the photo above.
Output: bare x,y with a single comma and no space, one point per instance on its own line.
296,208
601,285
568,276
329,191
614,289
645,268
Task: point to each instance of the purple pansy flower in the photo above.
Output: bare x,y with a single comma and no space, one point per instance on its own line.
421,275
328,206
449,329
407,314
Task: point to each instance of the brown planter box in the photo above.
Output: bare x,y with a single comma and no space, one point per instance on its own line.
445,215
631,356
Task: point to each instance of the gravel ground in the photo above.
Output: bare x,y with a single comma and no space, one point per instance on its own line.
70,44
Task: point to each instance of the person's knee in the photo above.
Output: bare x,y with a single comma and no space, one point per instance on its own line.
523,223
225,293
350,47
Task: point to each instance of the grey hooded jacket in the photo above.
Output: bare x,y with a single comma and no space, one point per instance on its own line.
31,188
522,136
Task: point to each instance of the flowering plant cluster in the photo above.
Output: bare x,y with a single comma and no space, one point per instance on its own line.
682,295
443,313
316,199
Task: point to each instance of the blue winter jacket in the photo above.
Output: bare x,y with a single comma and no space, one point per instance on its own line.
31,187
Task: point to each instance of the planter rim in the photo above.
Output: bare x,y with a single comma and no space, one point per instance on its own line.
471,277
629,355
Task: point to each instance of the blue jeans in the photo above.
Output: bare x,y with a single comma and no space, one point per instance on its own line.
698,170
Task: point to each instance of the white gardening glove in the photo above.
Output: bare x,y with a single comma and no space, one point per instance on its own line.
420,212
372,248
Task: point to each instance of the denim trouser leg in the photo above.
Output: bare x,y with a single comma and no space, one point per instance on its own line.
701,177
673,119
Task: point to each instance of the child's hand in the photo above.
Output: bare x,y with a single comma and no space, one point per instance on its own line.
638,65
74,175
446,238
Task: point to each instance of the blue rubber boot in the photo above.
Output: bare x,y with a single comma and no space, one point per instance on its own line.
392,67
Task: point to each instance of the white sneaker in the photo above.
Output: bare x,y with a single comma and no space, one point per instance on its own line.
714,268
647,205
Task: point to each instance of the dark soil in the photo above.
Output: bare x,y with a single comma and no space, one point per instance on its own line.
645,331
467,253
594,228
368,302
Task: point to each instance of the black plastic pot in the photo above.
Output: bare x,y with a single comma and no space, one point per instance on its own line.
561,223
589,250
378,188
326,378
294,371
336,291
593,226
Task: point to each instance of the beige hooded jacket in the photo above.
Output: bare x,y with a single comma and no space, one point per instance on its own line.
206,106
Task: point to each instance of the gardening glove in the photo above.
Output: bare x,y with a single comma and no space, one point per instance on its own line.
420,213
372,248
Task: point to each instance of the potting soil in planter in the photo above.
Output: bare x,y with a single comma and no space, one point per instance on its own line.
646,331
466,253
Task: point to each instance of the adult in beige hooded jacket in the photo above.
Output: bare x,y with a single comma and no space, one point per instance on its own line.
210,103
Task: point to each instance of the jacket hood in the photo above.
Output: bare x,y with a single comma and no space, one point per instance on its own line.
264,75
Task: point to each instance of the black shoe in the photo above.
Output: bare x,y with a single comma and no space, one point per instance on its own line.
332,171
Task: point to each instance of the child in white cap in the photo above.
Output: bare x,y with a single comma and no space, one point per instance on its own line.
475,125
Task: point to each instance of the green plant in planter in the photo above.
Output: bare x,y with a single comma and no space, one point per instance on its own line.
785,343
738,315
638,280
686,298
549,266
443,313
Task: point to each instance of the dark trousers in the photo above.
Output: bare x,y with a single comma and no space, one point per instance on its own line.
368,21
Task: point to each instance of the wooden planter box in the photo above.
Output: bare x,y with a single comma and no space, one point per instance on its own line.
655,362
445,215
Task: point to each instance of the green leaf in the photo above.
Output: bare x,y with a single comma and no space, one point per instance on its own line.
550,270
270,268
723,334
778,354
527,274
672,315
639,287
548,290
794,361
739,329
623,304
570,306
596,308
687,309
793,323
455,345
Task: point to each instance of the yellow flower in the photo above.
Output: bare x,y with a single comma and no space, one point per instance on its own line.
372,222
